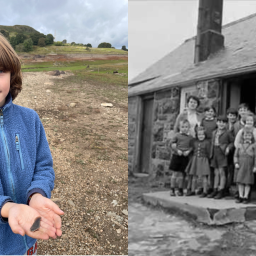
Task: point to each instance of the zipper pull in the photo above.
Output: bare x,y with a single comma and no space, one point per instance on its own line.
1,117
17,142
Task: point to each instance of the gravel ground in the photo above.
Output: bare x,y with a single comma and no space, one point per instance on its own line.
89,148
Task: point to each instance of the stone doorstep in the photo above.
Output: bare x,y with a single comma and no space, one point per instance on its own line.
205,210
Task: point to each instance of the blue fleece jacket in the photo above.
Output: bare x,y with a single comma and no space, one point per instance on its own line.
25,167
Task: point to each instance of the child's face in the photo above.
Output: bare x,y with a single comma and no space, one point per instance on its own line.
249,121
243,112
5,78
247,137
201,136
231,118
192,104
221,125
209,113
184,127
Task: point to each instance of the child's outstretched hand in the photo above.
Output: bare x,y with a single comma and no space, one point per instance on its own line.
47,209
237,166
21,217
254,169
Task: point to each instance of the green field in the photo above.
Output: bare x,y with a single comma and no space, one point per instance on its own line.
99,71
68,49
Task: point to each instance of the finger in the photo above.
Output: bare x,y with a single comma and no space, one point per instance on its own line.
57,221
47,221
50,232
56,208
58,232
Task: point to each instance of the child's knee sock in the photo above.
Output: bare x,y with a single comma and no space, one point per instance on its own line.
193,187
222,179
205,184
173,181
247,191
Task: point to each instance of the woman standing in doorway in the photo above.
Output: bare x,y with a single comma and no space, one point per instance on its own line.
191,114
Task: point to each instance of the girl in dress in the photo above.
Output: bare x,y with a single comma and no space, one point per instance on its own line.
209,121
199,166
245,163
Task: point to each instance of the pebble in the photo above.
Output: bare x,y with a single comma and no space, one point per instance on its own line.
48,91
72,105
70,202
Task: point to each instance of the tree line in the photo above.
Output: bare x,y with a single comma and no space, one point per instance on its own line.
24,42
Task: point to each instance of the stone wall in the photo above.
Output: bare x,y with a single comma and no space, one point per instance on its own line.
165,113
166,109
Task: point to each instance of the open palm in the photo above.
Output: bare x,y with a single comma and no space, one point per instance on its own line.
48,210
21,218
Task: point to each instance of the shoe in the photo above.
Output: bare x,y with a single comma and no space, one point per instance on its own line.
213,194
180,192
220,194
239,200
199,191
245,200
203,195
209,191
191,193
172,193
236,196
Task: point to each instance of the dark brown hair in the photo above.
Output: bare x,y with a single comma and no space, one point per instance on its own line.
9,61
194,98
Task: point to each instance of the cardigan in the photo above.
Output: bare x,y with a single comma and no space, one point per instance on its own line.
25,166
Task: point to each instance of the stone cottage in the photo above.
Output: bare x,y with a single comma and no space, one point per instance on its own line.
218,65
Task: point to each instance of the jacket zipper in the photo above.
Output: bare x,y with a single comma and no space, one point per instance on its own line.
7,156
18,148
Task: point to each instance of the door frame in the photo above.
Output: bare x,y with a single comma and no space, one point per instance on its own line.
139,138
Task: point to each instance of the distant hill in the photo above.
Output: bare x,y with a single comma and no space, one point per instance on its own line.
13,30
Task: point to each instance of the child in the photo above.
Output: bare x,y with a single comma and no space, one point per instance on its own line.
199,164
249,121
232,115
26,173
222,143
181,145
245,163
209,121
243,109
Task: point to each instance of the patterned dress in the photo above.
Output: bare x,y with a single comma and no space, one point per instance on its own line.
199,163
245,156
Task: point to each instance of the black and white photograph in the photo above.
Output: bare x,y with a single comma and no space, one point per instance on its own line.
192,127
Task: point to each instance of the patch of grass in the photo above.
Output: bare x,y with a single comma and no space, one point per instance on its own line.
73,49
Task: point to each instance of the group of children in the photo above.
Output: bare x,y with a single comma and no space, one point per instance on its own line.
221,152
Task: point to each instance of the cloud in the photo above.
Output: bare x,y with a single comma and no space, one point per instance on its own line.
80,21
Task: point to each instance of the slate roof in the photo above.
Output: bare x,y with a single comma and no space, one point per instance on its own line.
177,68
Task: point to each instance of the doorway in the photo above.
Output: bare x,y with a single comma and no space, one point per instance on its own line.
146,135
241,90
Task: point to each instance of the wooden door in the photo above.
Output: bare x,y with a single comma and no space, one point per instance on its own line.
146,135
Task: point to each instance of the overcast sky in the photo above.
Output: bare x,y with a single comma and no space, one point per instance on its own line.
80,21
158,27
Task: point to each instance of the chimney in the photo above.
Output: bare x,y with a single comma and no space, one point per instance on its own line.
209,38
